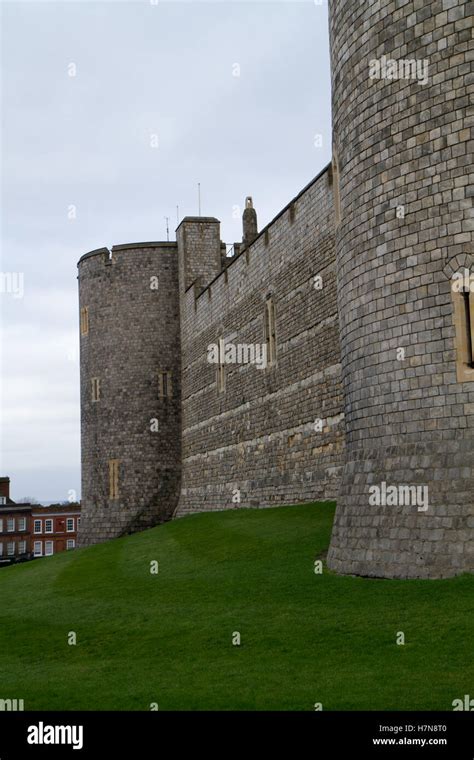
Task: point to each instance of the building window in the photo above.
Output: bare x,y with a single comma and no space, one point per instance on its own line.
84,320
48,548
269,322
70,524
113,478
220,370
463,301
3,499
48,526
95,388
1,526
78,521
22,547
38,548
70,543
22,523
37,526
165,389
1,550
10,524
11,548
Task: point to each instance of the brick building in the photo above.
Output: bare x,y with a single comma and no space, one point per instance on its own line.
54,529
15,533
30,530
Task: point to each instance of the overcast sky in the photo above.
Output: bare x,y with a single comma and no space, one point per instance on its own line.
233,93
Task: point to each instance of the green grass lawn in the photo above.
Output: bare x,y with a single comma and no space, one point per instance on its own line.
167,638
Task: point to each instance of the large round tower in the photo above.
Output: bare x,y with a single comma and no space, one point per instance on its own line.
402,94
130,388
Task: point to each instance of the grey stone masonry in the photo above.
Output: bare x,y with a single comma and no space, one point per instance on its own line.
274,435
403,134
131,295
200,250
330,356
268,436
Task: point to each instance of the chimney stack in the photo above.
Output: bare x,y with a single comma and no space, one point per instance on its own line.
5,487
249,223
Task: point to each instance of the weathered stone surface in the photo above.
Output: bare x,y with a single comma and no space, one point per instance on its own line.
366,385
133,334
402,143
256,444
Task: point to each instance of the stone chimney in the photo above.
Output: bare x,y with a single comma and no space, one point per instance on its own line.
5,487
249,223
199,250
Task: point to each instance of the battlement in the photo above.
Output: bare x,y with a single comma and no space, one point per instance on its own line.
107,253
104,252
265,232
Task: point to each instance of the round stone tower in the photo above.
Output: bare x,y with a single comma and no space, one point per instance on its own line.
130,388
402,94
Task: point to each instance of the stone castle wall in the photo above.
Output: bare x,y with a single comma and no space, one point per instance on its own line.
373,380
404,151
133,334
255,444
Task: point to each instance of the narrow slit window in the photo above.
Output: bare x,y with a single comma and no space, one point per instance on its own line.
95,388
85,320
165,388
463,303
336,189
466,297
113,478
270,330
221,366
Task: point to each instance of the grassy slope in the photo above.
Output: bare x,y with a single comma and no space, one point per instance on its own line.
166,638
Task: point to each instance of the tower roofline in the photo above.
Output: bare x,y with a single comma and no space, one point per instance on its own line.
154,244
205,219
128,246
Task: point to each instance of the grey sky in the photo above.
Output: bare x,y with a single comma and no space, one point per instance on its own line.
85,141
